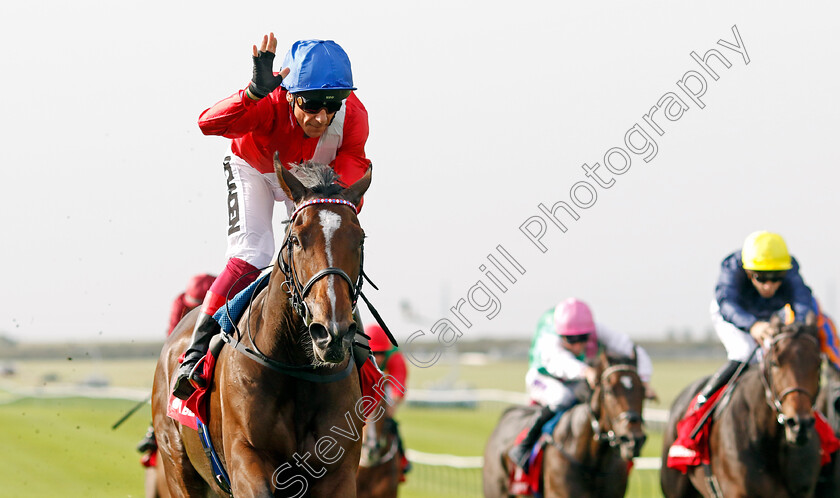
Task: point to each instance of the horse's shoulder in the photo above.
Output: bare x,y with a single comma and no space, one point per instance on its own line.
575,421
746,388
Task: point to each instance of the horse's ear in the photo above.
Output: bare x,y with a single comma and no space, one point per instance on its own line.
290,185
354,192
811,319
635,357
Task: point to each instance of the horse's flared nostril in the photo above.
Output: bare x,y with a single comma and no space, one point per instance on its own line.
320,334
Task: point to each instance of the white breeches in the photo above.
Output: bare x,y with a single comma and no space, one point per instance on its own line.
251,199
548,391
738,344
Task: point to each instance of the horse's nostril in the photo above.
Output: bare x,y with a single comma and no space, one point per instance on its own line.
318,332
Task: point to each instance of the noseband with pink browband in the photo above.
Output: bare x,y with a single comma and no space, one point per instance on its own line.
297,294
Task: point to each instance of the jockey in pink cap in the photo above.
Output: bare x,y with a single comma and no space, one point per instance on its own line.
567,337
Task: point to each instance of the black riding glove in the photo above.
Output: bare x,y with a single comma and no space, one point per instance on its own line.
264,80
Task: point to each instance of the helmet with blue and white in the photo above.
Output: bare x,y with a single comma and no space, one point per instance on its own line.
320,66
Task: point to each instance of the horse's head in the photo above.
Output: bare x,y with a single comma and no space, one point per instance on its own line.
618,400
321,257
791,376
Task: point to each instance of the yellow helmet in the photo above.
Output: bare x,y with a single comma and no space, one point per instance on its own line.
765,251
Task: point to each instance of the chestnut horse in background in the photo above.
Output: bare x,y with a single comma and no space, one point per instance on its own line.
592,446
285,424
379,469
762,439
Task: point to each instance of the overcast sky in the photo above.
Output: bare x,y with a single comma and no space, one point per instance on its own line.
479,112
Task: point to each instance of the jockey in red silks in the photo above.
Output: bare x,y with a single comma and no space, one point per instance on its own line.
306,112
194,294
185,302
393,365
566,337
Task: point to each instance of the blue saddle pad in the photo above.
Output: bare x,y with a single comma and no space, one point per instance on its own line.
548,427
230,313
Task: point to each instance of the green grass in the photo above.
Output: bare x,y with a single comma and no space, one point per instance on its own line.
66,446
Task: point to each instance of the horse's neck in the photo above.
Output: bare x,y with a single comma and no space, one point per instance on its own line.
575,433
749,397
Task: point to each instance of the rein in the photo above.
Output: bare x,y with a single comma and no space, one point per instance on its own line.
775,400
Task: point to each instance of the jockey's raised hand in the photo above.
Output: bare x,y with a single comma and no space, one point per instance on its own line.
264,80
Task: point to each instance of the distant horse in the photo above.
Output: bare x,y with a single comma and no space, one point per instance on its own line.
284,424
762,440
379,467
592,446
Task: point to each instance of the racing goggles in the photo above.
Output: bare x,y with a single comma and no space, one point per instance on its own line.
312,106
768,276
576,339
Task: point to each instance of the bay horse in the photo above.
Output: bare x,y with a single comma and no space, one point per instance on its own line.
762,439
591,448
379,468
286,424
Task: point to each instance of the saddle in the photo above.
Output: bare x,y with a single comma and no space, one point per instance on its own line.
527,482
687,452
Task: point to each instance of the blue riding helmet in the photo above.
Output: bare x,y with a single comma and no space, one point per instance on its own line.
317,65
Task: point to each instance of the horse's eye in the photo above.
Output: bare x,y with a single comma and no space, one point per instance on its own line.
293,240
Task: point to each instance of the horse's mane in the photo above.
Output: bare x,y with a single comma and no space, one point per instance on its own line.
318,177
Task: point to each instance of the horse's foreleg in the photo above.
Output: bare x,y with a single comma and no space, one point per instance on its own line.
559,480
179,476
340,483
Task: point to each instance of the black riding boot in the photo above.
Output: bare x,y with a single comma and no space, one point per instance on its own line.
205,328
716,381
149,443
520,453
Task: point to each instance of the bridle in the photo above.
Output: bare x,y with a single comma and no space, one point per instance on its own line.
608,438
297,293
631,416
292,285
775,400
